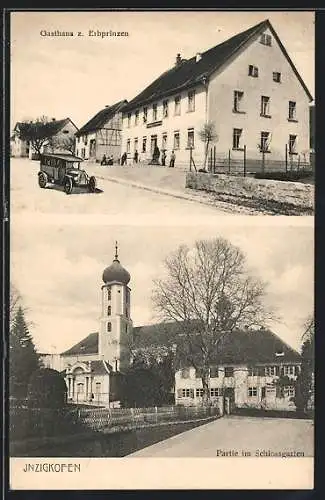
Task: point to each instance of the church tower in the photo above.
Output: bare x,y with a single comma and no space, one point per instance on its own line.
115,321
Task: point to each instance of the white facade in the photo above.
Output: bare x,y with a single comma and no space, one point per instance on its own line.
257,115
240,384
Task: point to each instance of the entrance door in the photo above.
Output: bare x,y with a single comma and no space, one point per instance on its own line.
92,148
153,143
229,399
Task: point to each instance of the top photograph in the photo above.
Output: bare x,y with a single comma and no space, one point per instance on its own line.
162,113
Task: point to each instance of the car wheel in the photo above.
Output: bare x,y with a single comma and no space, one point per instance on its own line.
68,186
92,184
42,180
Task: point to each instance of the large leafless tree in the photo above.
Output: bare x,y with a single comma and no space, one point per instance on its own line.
37,132
208,135
208,291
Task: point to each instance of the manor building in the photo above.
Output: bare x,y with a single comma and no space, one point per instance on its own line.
247,87
251,368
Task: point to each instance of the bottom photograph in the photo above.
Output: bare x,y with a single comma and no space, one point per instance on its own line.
161,341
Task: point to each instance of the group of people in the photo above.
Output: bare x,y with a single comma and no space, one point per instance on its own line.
156,158
107,160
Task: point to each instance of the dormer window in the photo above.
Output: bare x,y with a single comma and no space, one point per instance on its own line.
266,39
253,71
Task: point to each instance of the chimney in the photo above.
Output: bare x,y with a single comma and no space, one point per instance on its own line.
178,59
53,119
107,106
198,57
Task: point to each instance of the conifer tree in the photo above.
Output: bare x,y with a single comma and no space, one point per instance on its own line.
23,358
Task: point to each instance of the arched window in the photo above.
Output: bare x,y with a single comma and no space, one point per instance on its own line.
80,388
98,387
109,326
109,310
109,293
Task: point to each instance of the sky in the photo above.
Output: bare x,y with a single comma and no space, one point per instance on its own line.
57,268
77,76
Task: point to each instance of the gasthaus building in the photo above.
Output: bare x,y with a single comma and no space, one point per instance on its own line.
247,86
243,373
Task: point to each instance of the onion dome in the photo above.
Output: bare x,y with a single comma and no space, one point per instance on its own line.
116,272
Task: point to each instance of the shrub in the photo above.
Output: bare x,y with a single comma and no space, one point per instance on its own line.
47,389
294,175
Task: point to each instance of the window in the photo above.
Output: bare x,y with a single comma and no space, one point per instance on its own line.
289,391
128,145
176,140
109,326
199,393
191,101
154,112
238,100
229,371
78,141
144,144
236,136
289,370
145,115
252,392
136,117
185,373
265,106
165,109
292,110
136,144
97,387
276,76
265,141
270,371
214,372
190,138
292,144
164,141
215,391
252,71
86,140
65,131
266,39
129,120
188,393
109,293
109,310
253,371
80,388
177,105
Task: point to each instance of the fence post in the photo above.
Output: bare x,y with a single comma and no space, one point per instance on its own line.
214,159
228,161
190,159
298,167
286,157
156,411
245,160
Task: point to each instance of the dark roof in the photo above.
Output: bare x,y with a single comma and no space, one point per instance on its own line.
63,156
88,345
102,117
258,346
189,72
50,127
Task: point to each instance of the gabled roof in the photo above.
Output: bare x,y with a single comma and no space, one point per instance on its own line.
103,116
50,128
241,346
189,72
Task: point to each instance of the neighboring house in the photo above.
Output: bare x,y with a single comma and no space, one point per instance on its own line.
50,360
247,86
243,372
102,135
58,131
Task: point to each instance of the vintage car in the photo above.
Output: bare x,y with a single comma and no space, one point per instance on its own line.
64,170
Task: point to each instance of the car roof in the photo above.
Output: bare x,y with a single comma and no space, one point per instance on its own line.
66,157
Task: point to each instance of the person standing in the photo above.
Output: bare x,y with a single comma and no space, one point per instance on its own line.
163,158
136,156
172,159
123,159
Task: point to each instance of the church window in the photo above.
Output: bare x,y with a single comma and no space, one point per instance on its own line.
109,311
80,388
109,326
109,293
97,387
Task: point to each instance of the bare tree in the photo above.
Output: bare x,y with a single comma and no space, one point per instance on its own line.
38,132
209,293
208,134
63,143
